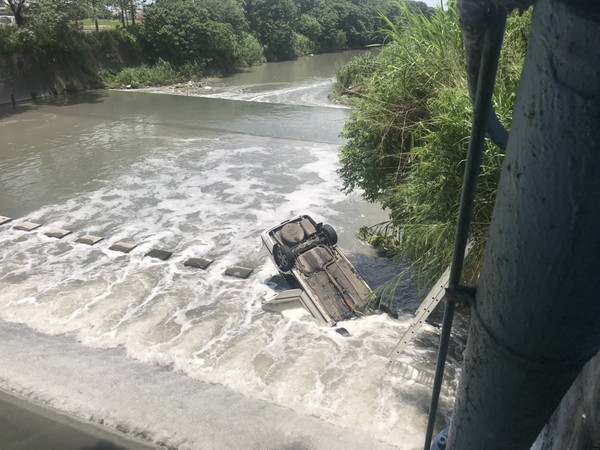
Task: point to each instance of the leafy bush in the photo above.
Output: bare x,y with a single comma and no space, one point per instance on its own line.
16,40
250,51
119,38
409,134
161,74
302,45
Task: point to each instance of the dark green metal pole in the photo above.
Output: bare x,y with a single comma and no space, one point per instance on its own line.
536,318
496,20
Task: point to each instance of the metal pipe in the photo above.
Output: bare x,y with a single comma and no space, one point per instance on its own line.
535,321
472,15
496,20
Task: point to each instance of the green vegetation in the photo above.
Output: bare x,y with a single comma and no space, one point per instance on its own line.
408,136
103,24
208,35
160,74
182,31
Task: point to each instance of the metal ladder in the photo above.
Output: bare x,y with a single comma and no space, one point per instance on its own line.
435,296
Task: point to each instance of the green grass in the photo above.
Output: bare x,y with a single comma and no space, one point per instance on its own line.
90,24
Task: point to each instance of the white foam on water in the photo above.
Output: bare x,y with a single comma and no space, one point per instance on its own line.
155,404
309,93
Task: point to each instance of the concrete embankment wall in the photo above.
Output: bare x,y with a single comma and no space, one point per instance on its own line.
27,76
23,77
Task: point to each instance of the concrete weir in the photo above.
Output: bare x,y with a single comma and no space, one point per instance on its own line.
126,247
89,239
57,233
123,247
163,255
198,263
238,272
27,226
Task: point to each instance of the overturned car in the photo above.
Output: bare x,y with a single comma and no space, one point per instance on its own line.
323,281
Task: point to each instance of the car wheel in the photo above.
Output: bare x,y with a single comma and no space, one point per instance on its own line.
284,257
329,234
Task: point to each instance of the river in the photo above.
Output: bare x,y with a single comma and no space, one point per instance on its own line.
178,356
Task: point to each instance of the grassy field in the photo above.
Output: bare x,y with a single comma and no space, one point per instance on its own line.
89,24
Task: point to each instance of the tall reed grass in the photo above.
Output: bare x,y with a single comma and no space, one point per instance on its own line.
408,137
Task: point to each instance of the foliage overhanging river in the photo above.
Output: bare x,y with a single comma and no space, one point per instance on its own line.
183,357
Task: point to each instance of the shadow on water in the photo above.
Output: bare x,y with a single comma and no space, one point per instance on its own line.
104,445
89,97
9,110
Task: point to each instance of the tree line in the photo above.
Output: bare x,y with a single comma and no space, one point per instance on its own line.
217,33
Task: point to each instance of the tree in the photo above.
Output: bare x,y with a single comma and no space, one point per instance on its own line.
95,9
310,27
182,31
273,22
19,8
227,11
127,10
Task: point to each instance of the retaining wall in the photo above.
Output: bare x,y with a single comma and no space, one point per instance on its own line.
23,77
27,76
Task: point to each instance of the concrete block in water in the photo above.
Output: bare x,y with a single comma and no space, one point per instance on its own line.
4,220
57,233
123,247
27,226
199,263
238,271
342,331
89,239
159,254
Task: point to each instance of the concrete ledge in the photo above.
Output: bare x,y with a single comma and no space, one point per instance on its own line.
27,226
89,239
123,247
159,254
4,220
57,233
199,263
239,272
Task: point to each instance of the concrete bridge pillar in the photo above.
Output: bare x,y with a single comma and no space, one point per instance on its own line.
536,318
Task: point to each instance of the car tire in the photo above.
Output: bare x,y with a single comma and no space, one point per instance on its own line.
329,234
284,257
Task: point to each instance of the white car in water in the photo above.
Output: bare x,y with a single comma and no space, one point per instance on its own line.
326,284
